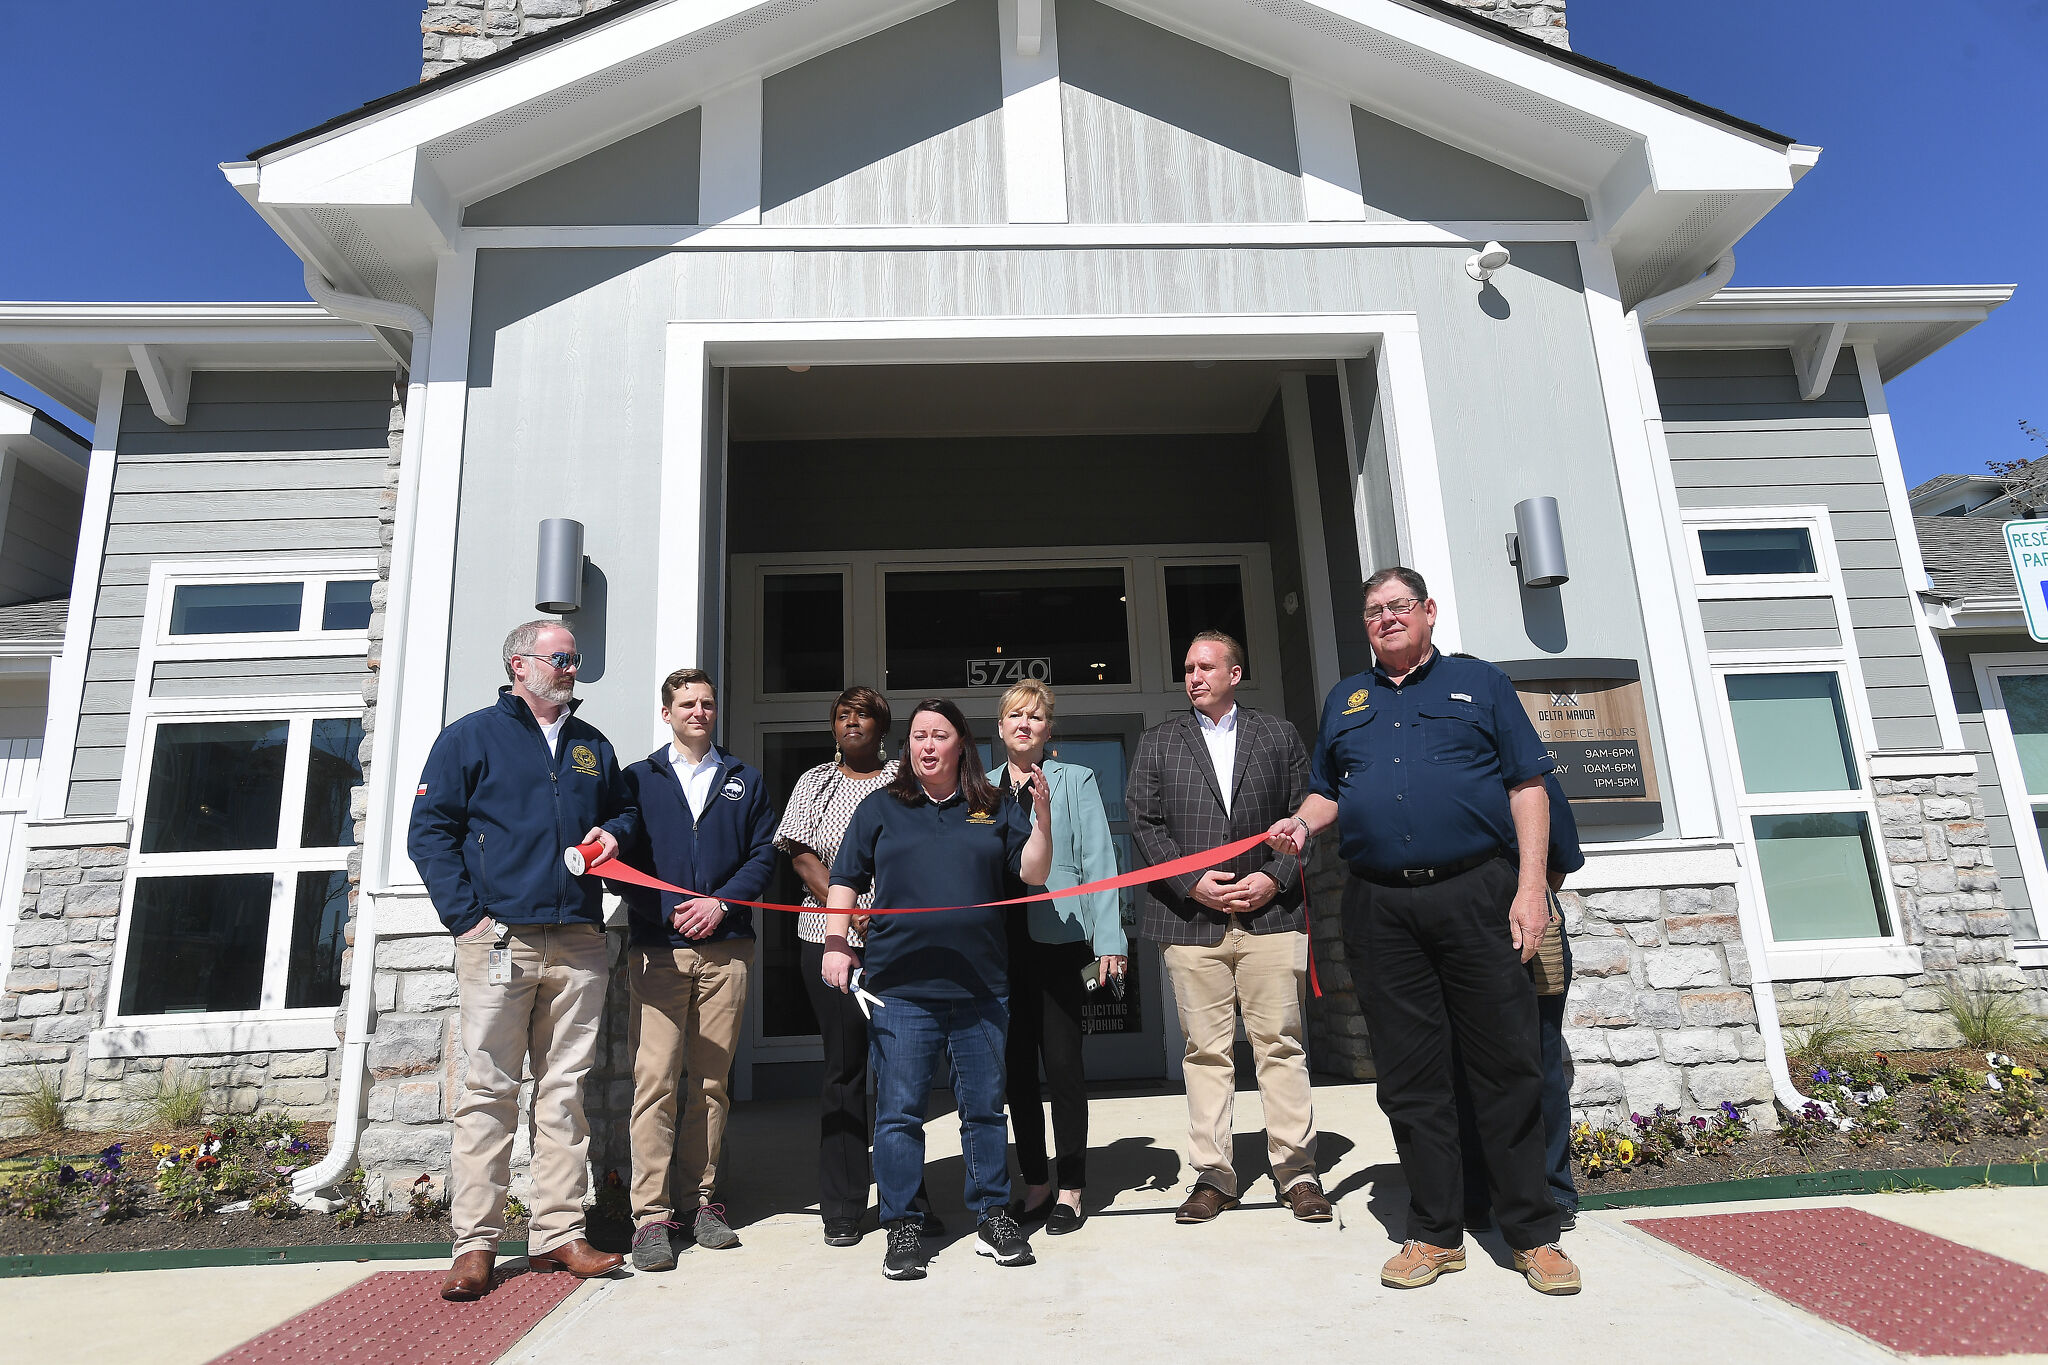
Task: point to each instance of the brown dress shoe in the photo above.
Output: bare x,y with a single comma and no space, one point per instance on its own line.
1204,1203
1419,1264
470,1277
1548,1270
1308,1201
579,1258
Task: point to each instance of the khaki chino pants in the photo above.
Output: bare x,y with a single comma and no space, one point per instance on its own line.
688,1007
1262,974
547,1015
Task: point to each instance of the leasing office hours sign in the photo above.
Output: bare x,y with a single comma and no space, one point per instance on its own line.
2027,543
1590,715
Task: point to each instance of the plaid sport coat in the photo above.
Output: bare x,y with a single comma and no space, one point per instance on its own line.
1175,807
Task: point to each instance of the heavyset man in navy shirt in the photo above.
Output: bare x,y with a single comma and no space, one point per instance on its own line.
1433,775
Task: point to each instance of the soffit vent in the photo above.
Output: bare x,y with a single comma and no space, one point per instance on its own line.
362,256
1537,108
611,78
1648,277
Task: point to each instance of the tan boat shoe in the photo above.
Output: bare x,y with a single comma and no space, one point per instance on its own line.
1548,1270
1419,1264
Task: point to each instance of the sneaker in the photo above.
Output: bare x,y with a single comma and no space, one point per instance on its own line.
842,1232
1567,1219
905,1257
1419,1264
652,1249
1001,1238
1548,1270
711,1230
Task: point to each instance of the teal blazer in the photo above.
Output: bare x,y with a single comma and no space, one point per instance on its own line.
1081,852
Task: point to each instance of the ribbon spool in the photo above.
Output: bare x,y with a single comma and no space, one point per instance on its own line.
580,858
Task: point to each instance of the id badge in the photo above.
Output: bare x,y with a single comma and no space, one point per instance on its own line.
499,973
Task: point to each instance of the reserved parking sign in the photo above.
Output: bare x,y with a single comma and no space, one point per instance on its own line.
2027,543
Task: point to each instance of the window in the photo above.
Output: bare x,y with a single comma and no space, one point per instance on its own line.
241,866
955,629
346,606
2014,691
1203,597
298,606
803,633
1808,807
1757,551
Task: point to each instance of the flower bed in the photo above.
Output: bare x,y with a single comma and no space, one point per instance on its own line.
1870,1112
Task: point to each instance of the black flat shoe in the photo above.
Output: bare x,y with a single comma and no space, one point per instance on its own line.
1033,1215
842,1232
1061,1220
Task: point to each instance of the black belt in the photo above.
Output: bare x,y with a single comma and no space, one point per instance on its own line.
1428,876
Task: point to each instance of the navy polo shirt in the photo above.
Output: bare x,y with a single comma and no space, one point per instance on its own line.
934,853
1420,772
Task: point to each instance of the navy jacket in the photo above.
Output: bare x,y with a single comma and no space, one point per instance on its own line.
1565,853
729,853
495,810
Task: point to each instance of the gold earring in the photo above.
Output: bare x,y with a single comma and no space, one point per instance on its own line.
837,757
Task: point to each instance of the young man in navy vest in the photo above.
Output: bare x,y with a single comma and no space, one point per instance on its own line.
710,828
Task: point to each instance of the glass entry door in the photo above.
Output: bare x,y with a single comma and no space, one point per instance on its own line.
1106,630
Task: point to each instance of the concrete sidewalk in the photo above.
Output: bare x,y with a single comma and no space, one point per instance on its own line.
1131,1285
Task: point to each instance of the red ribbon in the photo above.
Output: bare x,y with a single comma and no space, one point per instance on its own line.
616,871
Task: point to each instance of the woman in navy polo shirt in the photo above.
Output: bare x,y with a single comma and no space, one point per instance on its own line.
938,835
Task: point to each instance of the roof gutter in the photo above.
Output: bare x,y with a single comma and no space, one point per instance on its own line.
355,1044
1686,295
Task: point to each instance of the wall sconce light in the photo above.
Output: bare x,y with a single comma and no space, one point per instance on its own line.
1481,264
558,582
1536,545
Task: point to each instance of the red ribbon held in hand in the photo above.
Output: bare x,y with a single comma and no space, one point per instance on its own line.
589,858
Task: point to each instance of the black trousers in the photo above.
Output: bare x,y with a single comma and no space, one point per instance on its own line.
845,1120
1046,997
1436,965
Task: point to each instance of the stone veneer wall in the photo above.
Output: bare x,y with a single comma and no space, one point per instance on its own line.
456,32
1939,858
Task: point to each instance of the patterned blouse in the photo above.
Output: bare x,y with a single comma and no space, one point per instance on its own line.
815,821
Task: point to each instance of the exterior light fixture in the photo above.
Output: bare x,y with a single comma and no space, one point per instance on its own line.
799,369
558,582
1536,545
1481,264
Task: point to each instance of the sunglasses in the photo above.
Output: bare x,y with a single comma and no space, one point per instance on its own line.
558,659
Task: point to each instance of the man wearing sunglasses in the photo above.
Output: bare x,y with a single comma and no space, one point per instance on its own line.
1433,774
505,791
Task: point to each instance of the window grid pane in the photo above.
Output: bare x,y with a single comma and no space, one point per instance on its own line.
319,913
346,606
1203,597
2026,710
1820,876
196,944
803,633
236,608
985,627
1791,732
1745,551
333,771
215,785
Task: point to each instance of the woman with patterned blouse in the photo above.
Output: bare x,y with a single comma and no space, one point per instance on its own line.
813,822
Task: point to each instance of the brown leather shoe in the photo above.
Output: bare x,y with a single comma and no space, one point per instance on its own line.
1203,1204
579,1258
1419,1264
1308,1201
469,1278
1548,1270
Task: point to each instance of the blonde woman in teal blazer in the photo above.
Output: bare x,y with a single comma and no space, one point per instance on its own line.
1051,944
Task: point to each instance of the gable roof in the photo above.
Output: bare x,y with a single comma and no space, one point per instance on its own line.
522,47
1966,557
34,623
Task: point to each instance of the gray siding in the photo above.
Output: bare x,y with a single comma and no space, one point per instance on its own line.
257,677
24,704
1771,623
1740,437
904,126
281,465
650,177
1161,129
40,540
1411,177
2003,826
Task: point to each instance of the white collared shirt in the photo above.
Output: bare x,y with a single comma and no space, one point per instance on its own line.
695,778
1221,737
551,731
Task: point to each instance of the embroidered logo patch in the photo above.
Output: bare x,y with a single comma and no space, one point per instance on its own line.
981,819
1461,696
422,791
583,760
733,789
1356,698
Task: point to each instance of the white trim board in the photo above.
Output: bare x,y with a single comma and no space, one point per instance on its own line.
740,236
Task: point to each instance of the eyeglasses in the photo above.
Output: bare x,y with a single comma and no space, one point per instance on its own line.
565,662
1400,606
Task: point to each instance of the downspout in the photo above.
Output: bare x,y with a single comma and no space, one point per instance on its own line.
355,1046
1761,984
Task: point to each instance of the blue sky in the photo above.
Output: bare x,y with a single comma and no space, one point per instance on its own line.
1929,114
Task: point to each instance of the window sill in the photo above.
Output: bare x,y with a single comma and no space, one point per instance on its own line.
1831,964
2030,954
287,1034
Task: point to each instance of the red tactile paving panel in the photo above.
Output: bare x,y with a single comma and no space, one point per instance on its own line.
1916,1293
399,1318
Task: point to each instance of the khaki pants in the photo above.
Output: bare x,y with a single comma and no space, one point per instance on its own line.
547,1015
1263,975
688,1006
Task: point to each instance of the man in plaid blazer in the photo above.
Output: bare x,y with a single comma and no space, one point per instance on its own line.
1234,937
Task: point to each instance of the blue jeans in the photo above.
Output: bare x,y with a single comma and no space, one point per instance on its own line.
1557,1114
910,1037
